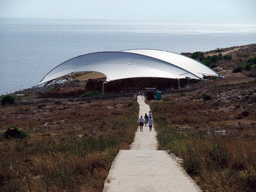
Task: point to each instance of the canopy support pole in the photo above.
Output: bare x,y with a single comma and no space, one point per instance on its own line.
103,83
103,89
179,84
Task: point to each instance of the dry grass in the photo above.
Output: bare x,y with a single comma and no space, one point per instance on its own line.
216,137
72,143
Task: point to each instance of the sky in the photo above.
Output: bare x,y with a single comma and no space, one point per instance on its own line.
167,10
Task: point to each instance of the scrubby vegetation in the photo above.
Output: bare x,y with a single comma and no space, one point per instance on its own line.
238,69
197,55
211,128
91,94
14,132
71,148
215,137
210,125
7,99
250,64
216,163
227,57
210,61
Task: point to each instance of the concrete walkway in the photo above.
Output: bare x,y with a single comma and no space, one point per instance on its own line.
143,168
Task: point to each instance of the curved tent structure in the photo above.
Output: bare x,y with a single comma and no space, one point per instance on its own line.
178,60
133,64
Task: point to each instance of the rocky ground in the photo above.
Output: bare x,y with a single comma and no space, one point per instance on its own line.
235,94
228,104
214,106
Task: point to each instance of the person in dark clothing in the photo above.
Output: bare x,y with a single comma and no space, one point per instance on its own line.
146,119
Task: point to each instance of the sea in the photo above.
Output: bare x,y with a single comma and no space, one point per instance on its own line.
30,48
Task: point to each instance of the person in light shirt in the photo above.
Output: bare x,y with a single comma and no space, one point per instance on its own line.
141,123
150,114
150,124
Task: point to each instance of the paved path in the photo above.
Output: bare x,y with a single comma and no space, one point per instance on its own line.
143,168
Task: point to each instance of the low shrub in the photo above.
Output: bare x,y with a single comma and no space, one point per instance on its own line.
217,162
206,97
238,69
209,61
227,57
75,158
197,54
7,99
214,58
91,94
250,63
14,132
248,66
252,60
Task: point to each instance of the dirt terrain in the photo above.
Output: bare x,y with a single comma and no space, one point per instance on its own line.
236,91
71,145
234,87
217,105
225,105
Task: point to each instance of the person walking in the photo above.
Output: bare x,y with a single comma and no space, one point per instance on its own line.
150,114
150,124
141,123
146,119
135,97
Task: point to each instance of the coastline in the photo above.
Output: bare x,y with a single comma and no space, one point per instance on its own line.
21,80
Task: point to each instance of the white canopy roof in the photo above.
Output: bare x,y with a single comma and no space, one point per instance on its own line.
133,64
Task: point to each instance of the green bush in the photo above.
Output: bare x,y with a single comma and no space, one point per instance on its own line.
252,60
227,57
197,54
250,63
248,66
210,60
14,132
91,94
7,99
238,69
214,58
